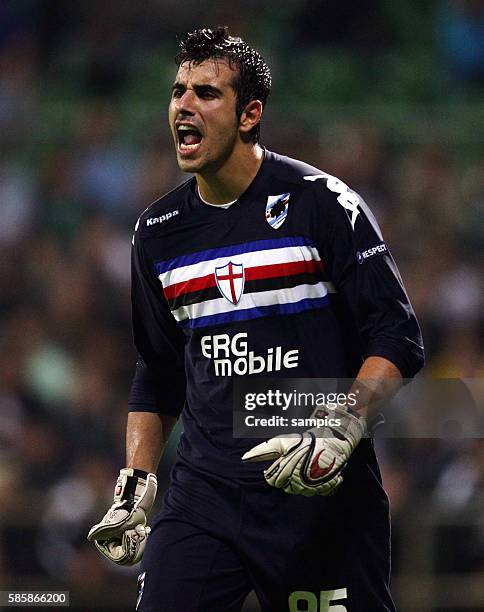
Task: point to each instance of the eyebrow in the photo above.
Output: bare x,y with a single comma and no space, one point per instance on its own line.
198,89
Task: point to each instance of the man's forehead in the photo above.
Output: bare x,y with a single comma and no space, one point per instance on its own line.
210,71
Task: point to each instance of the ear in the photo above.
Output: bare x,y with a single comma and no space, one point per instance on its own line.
250,116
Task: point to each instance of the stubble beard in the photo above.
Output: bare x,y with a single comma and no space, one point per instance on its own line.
207,164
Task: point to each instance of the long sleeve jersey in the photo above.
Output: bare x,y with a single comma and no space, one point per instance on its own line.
292,280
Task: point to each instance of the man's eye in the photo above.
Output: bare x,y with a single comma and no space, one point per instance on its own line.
176,93
207,95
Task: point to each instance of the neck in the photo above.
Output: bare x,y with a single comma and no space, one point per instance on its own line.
229,182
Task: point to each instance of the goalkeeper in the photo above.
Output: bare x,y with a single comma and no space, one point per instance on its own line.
258,265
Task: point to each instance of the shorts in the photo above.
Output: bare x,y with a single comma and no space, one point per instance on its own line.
215,540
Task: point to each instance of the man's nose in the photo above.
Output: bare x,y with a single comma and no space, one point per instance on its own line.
186,103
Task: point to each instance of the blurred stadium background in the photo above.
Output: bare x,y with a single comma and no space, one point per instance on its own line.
386,95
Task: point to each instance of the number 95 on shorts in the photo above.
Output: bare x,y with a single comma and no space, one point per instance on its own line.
325,601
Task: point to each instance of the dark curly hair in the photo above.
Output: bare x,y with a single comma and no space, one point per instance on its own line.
253,81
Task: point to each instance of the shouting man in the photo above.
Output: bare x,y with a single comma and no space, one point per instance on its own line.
258,265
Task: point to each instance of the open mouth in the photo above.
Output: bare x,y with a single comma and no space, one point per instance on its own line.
189,138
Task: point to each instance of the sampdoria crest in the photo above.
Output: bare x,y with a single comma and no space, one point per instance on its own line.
276,209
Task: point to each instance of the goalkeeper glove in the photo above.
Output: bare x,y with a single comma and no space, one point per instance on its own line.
122,533
311,463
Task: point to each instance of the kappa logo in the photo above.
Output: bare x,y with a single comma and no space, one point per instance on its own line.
348,199
276,209
162,219
154,220
230,281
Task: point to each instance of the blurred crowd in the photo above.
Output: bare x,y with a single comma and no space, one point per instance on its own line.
84,149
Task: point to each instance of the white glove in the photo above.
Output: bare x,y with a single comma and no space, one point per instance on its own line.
311,463
121,535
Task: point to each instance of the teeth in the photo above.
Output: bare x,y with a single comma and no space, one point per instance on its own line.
187,128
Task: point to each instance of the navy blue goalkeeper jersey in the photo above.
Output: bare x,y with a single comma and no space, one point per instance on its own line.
292,280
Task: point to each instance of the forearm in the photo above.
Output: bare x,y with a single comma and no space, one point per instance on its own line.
377,381
146,436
